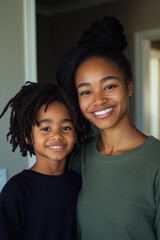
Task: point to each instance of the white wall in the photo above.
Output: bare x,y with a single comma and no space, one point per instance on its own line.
12,75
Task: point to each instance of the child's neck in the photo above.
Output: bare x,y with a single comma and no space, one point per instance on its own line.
54,169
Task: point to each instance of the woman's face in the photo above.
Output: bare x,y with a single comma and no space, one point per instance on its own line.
102,93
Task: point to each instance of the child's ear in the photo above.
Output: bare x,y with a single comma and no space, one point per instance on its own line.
28,141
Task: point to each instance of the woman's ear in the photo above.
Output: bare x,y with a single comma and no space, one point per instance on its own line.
75,138
130,88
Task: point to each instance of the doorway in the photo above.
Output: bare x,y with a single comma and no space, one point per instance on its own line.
147,83
30,56
154,81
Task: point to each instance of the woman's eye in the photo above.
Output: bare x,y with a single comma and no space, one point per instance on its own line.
45,129
66,128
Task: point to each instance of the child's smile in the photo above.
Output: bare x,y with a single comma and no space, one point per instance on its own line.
54,137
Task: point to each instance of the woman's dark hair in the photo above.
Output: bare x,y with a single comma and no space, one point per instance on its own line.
104,39
24,107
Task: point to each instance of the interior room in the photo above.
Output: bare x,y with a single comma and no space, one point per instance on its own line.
36,34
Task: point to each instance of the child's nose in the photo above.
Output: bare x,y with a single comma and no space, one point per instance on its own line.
57,135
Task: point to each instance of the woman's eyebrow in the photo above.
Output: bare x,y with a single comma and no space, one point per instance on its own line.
105,79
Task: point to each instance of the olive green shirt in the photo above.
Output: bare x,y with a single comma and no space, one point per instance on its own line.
120,195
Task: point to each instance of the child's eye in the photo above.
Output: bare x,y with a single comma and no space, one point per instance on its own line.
45,129
85,93
66,128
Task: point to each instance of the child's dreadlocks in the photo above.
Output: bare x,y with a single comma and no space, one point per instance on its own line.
24,106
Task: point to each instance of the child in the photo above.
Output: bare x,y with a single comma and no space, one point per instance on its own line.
40,203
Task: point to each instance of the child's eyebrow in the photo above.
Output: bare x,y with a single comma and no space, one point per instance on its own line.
44,121
66,120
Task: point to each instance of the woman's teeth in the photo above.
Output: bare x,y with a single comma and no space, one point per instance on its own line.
103,111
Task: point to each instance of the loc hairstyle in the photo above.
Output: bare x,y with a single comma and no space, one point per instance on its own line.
104,39
24,107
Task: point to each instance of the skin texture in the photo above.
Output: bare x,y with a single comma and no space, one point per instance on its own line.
53,139
104,99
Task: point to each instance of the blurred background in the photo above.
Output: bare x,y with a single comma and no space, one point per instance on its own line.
34,35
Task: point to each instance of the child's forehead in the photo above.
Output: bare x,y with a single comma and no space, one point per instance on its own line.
53,109
53,104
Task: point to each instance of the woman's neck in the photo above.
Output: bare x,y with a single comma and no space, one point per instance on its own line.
118,139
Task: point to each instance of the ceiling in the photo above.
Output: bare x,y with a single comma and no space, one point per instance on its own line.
50,7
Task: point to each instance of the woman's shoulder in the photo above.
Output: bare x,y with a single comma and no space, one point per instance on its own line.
154,144
92,143
85,149
150,152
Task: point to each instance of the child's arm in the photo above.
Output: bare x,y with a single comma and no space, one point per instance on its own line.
10,220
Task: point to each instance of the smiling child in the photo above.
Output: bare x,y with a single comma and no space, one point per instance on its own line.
40,203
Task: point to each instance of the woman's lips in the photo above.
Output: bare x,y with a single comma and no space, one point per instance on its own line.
103,113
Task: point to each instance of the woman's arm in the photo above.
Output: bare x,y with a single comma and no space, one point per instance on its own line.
75,162
157,201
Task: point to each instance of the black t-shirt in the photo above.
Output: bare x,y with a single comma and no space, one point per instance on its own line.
34,206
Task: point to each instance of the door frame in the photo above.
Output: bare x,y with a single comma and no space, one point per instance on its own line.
142,92
30,53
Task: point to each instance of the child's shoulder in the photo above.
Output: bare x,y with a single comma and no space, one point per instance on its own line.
12,185
75,178
16,178
73,174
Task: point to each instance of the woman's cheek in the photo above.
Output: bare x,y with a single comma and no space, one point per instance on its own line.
83,103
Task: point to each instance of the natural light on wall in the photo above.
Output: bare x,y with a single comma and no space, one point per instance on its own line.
30,49
154,92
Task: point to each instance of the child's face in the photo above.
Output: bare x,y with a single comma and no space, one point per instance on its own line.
55,136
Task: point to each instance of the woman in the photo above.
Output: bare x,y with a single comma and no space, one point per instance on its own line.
120,194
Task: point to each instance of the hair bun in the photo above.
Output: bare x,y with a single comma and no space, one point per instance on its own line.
107,33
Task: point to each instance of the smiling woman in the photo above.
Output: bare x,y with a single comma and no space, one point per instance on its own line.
120,167
102,92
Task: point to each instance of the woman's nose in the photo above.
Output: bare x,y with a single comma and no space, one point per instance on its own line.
99,98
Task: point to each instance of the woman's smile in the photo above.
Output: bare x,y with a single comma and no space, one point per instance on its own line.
103,113
102,92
